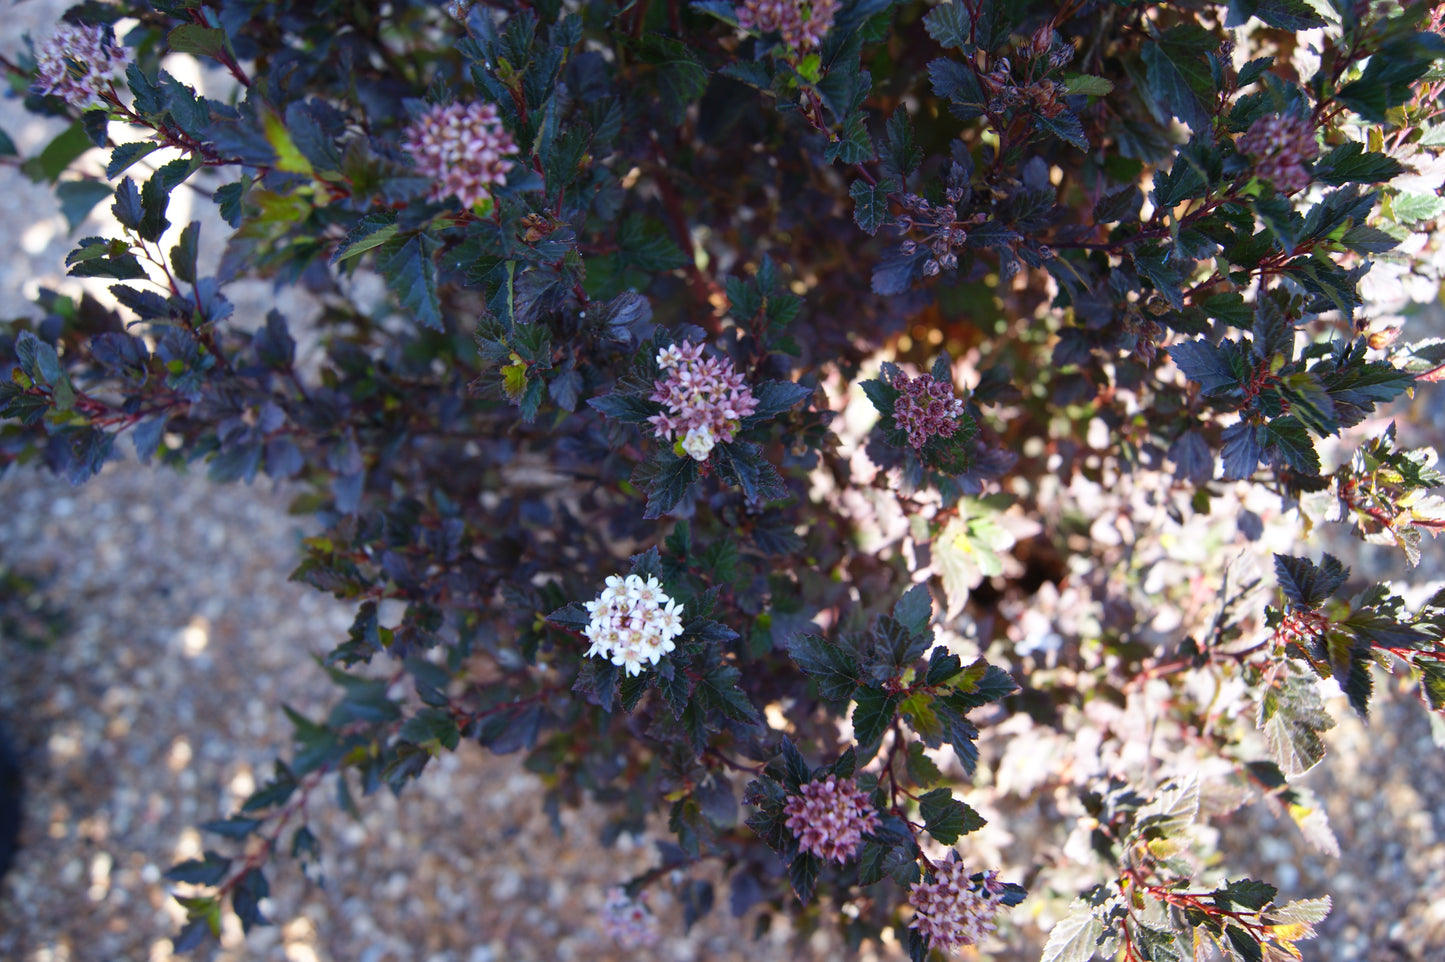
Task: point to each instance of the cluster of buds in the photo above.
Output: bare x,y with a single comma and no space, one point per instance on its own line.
951,910
633,621
1004,94
926,408
706,399
79,64
464,149
1299,625
802,23
1281,145
943,231
1048,49
629,920
830,817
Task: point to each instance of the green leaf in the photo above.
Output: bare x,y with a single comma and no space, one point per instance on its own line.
718,688
948,24
675,475
1389,78
902,156
372,231
155,197
1077,83
1245,946
803,873
1065,126
196,39
1205,364
57,156
127,207
431,725
644,244
78,197
834,671
1074,937
914,609
1179,74
921,769
1291,443
872,714
410,271
209,870
1411,209
871,203
853,144
1305,583
1292,717
234,827
946,818
681,76
184,253
1246,892
1349,163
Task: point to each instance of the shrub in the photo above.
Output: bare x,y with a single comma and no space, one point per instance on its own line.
849,376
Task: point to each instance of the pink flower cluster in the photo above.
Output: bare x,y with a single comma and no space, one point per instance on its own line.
1281,146
463,148
706,398
950,911
802,24
78,65
926,408
633,621
829,818
628,920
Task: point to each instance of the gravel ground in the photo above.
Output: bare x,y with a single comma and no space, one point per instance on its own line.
159,708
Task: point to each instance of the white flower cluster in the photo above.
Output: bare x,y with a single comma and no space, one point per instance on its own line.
628,920
78,65
633,621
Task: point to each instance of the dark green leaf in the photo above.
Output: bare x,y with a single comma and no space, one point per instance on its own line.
411,273
1305,583
78,197
1350,163
871,203
946,818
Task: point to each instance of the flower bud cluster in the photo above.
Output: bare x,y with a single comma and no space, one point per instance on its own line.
628,920
942,228
951,911
706,399
78,64
926,408
803,24
464,149
1281,146
633,621
830,817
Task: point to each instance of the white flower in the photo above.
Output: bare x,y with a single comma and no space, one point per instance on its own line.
633,623
78,64
699,442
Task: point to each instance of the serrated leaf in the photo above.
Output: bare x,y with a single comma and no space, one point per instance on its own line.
948,24
946,818
1292,717
870,210
1074,937
1305,583
372,231
1204,364
410,271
